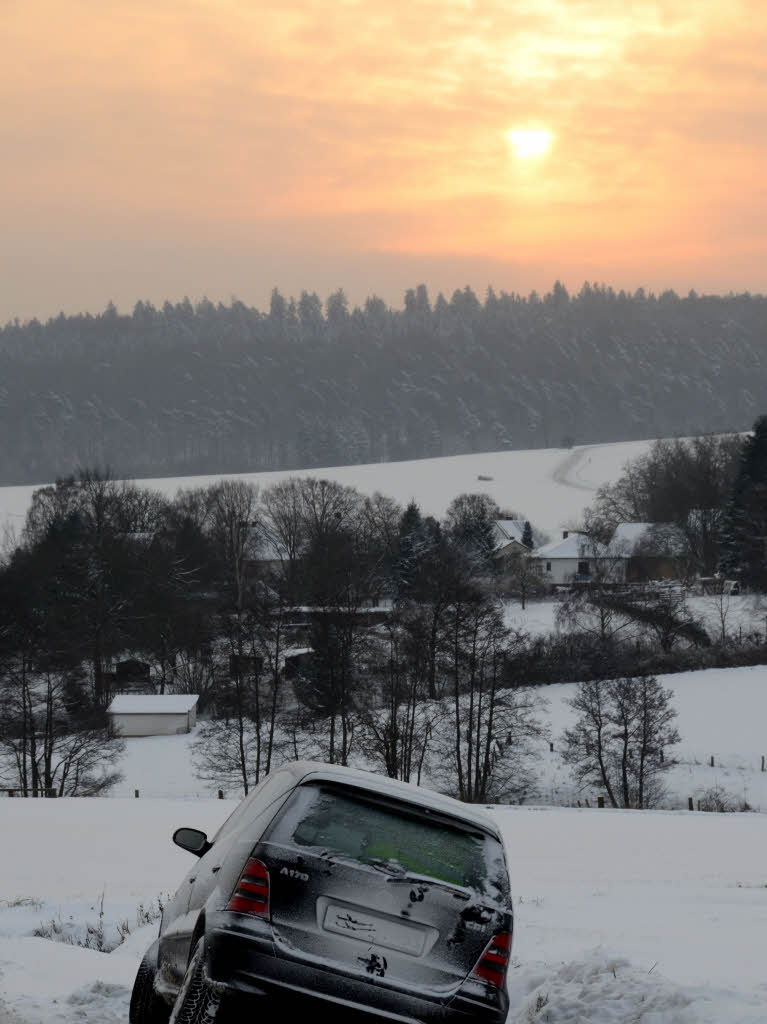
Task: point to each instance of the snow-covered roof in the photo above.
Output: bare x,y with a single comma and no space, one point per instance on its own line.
628,539
509,529
153,704
630,534
309,771
512,547
652,538
574,545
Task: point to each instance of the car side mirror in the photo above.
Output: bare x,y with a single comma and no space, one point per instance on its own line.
192,840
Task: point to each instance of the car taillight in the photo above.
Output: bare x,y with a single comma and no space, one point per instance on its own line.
493,963
252,893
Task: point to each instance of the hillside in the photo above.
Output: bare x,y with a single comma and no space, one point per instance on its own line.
550,486
185,389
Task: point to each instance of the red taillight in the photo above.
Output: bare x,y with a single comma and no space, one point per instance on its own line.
252,893
494,961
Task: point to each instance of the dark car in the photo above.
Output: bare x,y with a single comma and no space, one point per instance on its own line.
336,887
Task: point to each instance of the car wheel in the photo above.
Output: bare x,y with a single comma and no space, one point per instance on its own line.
195,1002
146,1007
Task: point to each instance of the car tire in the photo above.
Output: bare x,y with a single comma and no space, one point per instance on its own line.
196,1003
146,1007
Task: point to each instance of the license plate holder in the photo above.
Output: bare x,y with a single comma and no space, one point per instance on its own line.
374,929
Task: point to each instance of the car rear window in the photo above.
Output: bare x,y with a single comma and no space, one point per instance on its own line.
390,837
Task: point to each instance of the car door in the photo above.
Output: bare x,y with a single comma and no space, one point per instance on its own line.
180,916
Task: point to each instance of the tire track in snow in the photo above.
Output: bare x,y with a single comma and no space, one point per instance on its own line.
563,472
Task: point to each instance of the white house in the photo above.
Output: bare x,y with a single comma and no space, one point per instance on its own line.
573,557
637,552
153,715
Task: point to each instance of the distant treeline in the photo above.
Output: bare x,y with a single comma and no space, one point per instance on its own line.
223,388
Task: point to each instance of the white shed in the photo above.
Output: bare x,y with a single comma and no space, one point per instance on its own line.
153,715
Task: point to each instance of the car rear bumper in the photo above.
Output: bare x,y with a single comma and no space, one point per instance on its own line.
241,961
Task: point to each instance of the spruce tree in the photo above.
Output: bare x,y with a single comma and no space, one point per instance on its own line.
411,548
744,535
527,534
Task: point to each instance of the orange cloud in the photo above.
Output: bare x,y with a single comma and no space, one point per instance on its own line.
366,127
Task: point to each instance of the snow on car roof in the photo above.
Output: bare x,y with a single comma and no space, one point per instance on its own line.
153,704
306,771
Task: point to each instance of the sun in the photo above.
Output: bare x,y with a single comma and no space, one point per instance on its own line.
528,143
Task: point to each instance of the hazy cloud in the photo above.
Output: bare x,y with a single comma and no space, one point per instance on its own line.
338,133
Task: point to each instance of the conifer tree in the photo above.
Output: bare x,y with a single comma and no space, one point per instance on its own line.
744,536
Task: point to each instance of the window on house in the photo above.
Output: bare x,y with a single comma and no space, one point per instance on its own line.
548,567
583,568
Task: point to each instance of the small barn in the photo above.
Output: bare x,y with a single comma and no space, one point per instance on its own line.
153,715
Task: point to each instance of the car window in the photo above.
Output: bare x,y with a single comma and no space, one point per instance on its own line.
266,792
388,836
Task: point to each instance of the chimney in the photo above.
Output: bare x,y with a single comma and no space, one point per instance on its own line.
564,534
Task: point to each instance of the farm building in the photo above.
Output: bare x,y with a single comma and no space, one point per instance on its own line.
637,552
153,715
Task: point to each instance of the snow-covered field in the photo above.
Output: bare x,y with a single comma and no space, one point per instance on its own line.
721,713
549,486
741,612
652,917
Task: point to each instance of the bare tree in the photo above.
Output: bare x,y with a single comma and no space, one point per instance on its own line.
522,577
51,740
621,740
400,726
285,526
589,607
663,613
493,726
684,482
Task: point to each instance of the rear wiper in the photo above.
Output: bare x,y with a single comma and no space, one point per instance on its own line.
459,891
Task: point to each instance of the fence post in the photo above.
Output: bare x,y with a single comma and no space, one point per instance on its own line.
763,768
551,747
600,801
689,804
220,794
135,793
712,760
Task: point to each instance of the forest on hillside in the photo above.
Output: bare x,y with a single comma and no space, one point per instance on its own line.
205,388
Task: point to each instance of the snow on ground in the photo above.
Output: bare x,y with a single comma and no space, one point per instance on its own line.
721,713
741,612
550,486
652,917
160,766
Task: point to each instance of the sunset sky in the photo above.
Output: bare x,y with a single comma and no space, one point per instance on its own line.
156,148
